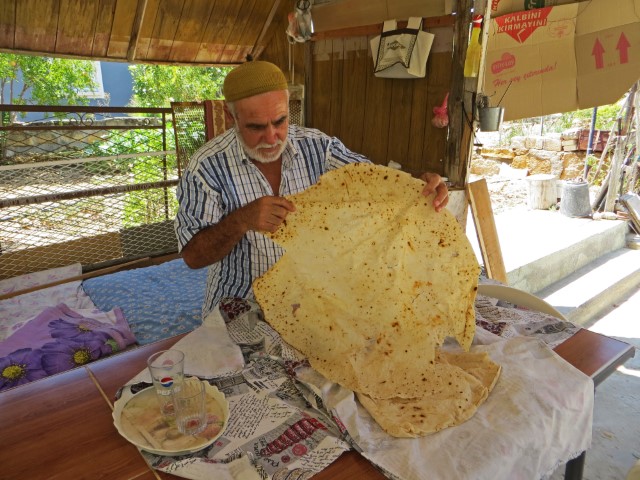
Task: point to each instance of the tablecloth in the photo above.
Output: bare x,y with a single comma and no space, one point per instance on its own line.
538,416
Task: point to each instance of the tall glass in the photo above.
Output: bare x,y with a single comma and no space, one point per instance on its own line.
191,407
167,373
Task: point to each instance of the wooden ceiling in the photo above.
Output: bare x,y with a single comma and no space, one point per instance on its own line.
187,32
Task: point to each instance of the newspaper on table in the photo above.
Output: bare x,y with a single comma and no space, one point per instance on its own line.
509,321
289,422
273,432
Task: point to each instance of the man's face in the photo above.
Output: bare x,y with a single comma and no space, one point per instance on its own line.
262,122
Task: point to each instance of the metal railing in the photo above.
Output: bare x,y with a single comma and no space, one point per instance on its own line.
94,185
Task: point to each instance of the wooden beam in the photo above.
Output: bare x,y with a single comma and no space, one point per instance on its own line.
135,30
116,59
265,27
483,220
459,132
366,30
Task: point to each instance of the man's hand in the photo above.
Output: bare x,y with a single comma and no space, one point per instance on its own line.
435,184
265,214
213,243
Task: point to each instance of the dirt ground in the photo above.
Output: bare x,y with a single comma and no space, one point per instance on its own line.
506,193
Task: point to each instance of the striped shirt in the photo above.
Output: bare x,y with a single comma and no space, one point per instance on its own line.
220,179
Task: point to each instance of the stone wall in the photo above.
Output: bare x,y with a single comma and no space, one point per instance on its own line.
529,156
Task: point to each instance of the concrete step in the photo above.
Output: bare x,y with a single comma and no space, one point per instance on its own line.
542,247
595,287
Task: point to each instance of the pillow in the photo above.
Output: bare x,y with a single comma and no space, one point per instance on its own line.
59,339
158,301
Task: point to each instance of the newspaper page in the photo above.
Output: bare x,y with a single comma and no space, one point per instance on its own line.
271,424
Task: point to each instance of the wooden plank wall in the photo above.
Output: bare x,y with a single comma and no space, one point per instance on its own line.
384,119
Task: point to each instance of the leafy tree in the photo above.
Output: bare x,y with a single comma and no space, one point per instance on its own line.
159,85
27,79
605,117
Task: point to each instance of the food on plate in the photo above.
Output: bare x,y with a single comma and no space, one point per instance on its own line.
372,282
142,423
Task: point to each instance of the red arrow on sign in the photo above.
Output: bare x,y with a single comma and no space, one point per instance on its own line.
598,52
623,48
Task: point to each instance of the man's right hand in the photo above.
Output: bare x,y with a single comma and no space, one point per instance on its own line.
265,214
213,243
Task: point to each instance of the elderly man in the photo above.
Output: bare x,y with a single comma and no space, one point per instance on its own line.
234,186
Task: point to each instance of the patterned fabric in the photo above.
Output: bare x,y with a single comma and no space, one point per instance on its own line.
507,320
232,308
16,311
157,301
220,179
59,339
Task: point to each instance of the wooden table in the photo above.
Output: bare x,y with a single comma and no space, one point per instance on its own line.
61,426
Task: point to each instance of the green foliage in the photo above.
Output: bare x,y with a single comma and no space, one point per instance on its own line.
123,142
558,123
159,85
145,206
45,81
148,206
592,161
605,118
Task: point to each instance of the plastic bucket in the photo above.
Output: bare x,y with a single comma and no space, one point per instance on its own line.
575,200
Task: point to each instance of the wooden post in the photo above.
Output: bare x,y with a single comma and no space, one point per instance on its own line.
482,213
460,132
614,175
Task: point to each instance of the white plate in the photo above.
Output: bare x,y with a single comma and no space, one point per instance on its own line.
137,418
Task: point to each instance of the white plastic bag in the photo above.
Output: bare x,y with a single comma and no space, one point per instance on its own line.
401,53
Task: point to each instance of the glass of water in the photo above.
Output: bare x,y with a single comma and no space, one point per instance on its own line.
190,404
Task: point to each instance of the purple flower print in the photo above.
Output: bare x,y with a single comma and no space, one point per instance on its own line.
88,328
66,354
83,330
19,367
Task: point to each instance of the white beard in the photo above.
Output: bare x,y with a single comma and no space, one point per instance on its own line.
256,153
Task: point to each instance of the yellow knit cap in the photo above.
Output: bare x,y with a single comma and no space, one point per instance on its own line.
253,78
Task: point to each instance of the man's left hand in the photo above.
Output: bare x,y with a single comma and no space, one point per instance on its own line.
435,184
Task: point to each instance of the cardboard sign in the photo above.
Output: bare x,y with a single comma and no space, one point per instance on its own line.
502,7
563,58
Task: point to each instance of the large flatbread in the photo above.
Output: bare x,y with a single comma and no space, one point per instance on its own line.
458,385
372,282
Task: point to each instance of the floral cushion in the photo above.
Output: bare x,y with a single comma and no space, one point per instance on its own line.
59,339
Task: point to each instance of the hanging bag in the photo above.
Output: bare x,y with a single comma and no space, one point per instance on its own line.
401,53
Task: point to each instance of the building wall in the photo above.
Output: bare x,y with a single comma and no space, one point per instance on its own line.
117,82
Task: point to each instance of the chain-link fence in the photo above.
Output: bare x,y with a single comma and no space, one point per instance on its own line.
94,185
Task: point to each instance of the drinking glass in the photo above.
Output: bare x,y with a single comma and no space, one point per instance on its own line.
191,410
167,373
